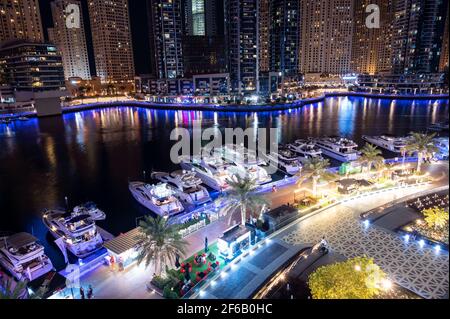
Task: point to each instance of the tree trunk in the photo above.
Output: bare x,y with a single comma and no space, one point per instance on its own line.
419,161
243,214
314,185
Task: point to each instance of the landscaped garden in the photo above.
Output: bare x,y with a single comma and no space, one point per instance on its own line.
177,282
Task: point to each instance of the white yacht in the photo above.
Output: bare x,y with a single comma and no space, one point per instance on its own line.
388,142
188,185
244,162
158,198
307,149
79,232
287,160
211,170
339,148
91,209
23,257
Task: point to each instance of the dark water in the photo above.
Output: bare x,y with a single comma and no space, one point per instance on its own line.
91,155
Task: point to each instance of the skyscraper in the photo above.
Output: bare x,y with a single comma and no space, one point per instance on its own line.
111,39
284,36
443,63
70,41
326,36
166,26
372,46
203,17
264,36
419,31
20,19
242,33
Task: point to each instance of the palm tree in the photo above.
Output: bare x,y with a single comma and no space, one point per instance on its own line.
422,144
7,291
371,156
160,243
241,196
315,168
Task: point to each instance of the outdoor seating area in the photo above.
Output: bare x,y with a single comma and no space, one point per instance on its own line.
352,185
428,201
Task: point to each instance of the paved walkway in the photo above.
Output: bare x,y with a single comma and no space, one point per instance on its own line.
420,269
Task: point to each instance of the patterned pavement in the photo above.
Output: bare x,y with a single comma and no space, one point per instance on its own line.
420,269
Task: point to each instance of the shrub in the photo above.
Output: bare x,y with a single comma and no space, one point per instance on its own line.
169,293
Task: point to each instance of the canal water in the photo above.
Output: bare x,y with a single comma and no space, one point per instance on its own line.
91,155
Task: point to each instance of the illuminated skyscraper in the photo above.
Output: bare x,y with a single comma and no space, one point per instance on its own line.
71,42
166,27
443,63
111,39
242,34
264,36
418,38
284,36
372,47
326,36
20,19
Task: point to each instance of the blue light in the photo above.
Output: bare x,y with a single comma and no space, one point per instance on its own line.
437,248
406,237
421,243
366,223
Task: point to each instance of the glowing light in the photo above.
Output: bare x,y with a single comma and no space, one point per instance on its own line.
357,267
202,293
406,237
421,243
223,275
213,283
437,248
386,284
366,223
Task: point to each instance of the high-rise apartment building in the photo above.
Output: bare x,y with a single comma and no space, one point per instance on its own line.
284,36
326,36
70,40
242,35
372,40
20,19
111,39
443,63
264,36
418,37
203,17
167,33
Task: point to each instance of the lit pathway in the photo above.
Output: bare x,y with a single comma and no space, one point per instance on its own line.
422,270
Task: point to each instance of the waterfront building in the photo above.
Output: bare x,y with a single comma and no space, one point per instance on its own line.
326,36
111,39
443,63
284,37
372,47
32,66
211,84
203,55
242,38
20,19
264,36
419,31
70,42
166,26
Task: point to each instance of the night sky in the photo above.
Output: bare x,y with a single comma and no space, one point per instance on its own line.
139,30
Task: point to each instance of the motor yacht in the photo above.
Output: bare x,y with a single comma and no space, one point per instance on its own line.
24,257
91,209
306,149
188,185
286,159
339,148
159,198
79,231
388,142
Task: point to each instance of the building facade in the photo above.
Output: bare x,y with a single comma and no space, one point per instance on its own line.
419,31
111,39
372,45
443,63
284,37
71,42
167,29
242,35
264,36
32,67
326,36
203,55
20,19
